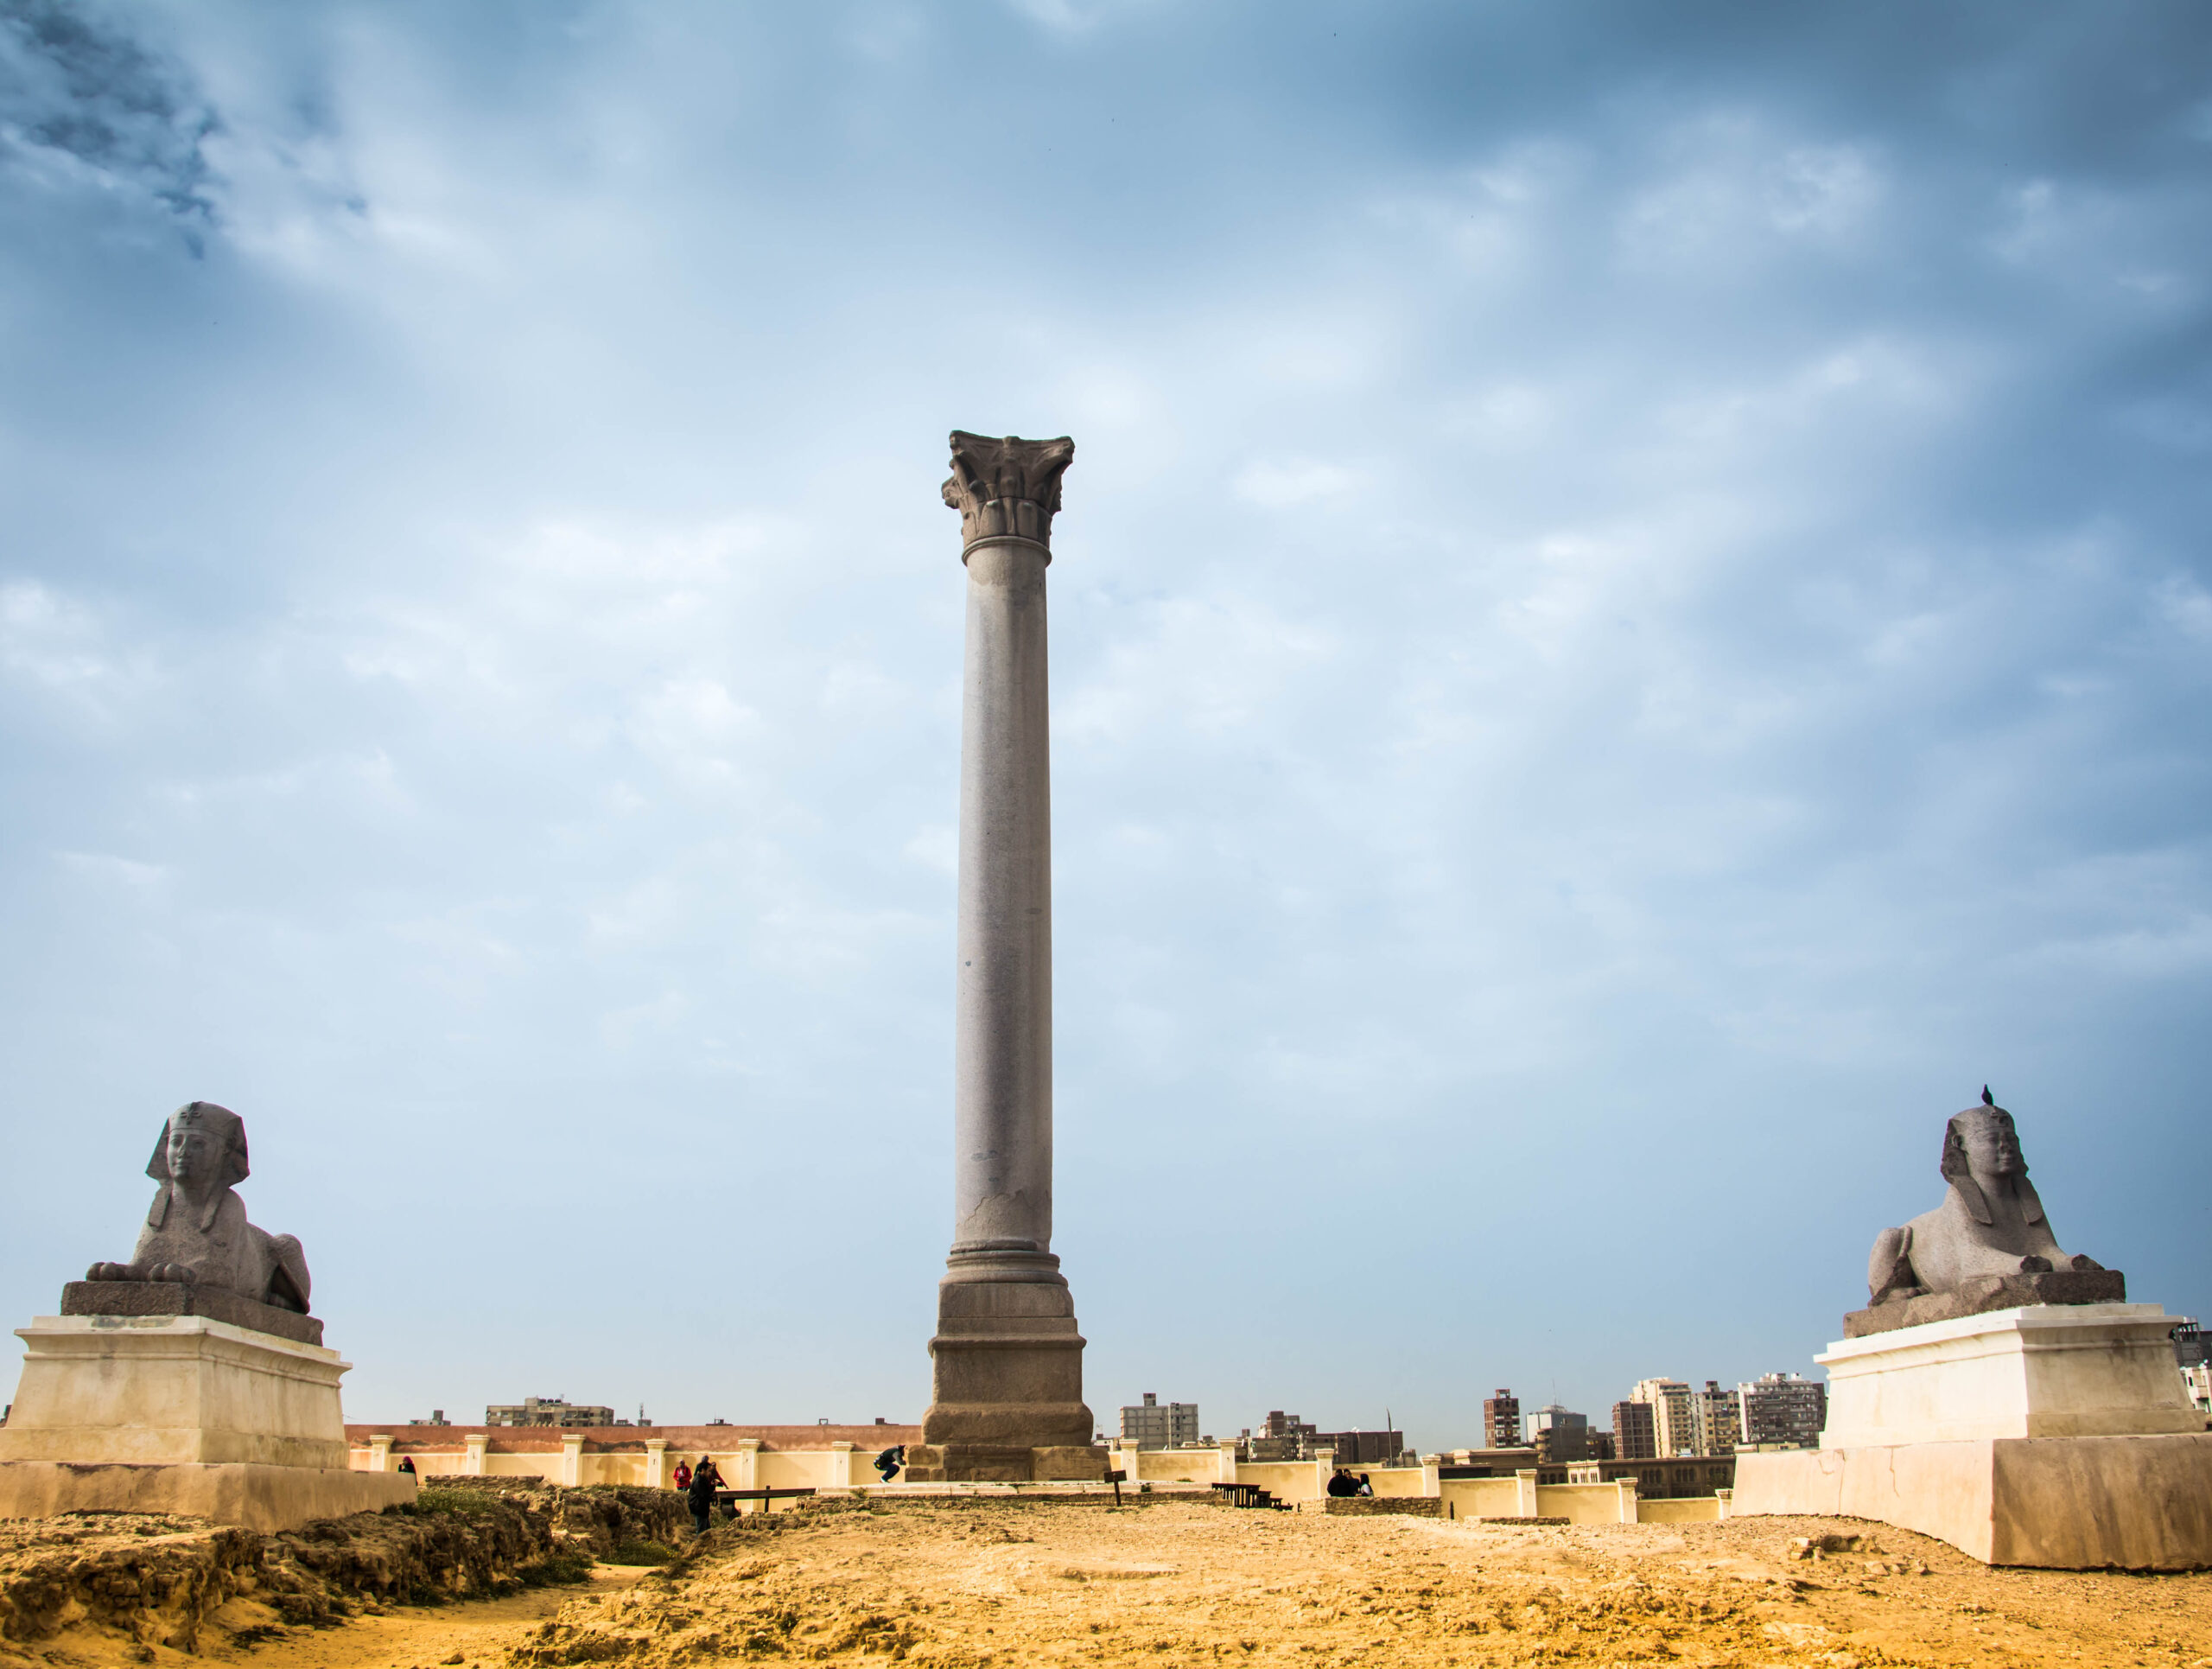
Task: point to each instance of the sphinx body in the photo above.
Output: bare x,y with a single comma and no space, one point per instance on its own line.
1990,1222
197,1231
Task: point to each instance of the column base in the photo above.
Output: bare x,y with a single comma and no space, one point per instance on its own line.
1006,1370
1004,1463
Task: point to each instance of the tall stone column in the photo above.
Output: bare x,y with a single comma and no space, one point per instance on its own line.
1007,1391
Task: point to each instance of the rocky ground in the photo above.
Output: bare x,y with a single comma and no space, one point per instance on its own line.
92,1580
1173,1581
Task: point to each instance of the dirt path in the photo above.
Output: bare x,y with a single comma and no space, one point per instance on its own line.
480,1632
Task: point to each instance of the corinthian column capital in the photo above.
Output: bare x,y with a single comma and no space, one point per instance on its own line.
1006,489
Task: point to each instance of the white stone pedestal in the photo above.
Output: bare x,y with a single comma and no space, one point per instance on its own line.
180,1414
2054,1435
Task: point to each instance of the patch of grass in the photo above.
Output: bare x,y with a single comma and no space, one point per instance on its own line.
556,1568
469,1503
641,1552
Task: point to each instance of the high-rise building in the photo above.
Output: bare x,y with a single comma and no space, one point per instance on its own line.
1559,1434
1635,1435
1782,1411
1501,1419
1364,1447
547,1410
1149,1425
1280,1437
1719,1413
1674,1416
1285,1438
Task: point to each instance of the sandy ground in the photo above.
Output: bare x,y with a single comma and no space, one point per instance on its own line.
1183,1582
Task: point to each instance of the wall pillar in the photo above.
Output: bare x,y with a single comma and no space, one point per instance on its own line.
380,1453
656,1463
472,1460
1627,1487
1007,1362
572,1458
1324,1467
1524,1504
1225,1467
1432,1475
745,1468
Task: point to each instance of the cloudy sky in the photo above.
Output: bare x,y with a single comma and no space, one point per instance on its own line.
1633,622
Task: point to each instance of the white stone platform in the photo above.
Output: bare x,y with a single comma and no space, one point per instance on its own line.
180,1414
2052,1435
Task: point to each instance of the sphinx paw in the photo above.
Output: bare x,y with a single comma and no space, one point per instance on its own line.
2081,1265
112,1272
2033,1265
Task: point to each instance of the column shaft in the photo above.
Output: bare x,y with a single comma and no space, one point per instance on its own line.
1002,1083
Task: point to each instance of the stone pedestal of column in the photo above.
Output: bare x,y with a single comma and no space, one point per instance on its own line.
1007,1397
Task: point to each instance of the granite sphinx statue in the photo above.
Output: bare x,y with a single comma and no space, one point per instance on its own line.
1989,1244
197,1233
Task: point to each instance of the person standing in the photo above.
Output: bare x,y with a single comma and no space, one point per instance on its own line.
701,1494
684,1474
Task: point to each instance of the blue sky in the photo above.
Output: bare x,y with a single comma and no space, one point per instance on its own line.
1633,622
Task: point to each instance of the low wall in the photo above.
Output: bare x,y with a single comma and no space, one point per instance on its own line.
1176,1466
1400,1481
748,1457
1482,1498
1287,1481
1522,1497
1693,1509
1370,1507
1588,1503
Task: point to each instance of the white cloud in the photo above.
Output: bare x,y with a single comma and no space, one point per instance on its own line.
1282,485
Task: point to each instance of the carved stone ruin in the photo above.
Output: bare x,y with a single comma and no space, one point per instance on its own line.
190,1379
1006,1361
1987,1246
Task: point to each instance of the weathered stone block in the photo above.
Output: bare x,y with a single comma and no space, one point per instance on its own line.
1982,1294
186,1298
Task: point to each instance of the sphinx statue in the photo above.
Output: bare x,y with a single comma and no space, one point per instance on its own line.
197,1234
1988,1245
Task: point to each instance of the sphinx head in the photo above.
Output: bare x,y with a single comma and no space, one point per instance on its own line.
1981,1148
1982,1142
202,1148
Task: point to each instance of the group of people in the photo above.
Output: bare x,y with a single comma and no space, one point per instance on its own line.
1344,1485
698,1484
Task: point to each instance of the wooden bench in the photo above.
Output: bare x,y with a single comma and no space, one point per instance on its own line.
728,1499
1248,1494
